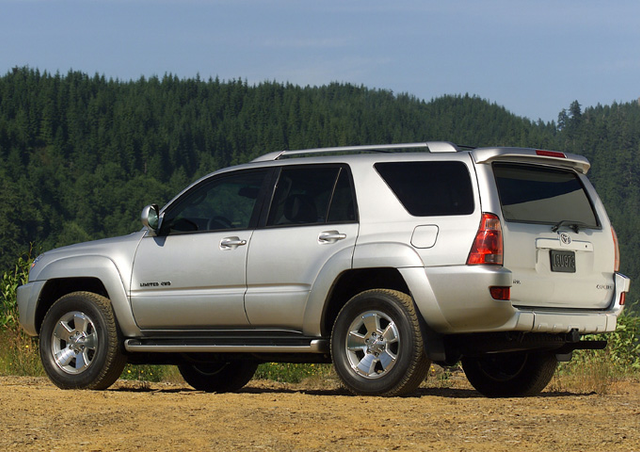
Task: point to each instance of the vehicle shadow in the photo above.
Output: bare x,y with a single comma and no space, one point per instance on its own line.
333,392
450,393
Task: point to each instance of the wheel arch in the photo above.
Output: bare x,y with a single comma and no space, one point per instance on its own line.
96,274
353,282
54,289
366,266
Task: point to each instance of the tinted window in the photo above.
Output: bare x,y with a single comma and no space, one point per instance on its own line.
342,207
430,188
534,194
312,195
222,203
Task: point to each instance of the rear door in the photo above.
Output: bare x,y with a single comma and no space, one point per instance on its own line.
557,243
312,221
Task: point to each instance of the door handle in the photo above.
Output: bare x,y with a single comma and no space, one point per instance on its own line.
331,236
230,243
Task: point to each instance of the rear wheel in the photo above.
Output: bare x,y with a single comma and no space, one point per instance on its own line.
224,376
79,343
377,346
510,374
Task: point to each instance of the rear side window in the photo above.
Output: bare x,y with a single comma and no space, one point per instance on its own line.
312,195
534,194
430,188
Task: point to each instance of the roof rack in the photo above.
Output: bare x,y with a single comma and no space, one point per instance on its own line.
431,146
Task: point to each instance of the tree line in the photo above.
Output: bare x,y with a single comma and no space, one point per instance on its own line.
80,155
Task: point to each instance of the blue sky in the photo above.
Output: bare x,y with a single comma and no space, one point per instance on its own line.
532,57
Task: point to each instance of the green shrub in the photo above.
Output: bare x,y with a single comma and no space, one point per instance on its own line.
623,344
291,372
622,351
144,372
598,371
18,351
9,283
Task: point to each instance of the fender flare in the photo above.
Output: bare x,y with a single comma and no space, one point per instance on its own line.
390,254
101,268
373,255
319,292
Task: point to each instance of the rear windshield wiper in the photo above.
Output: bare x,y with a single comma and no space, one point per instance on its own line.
572,224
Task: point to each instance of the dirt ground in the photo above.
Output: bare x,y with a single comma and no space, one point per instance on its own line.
269,416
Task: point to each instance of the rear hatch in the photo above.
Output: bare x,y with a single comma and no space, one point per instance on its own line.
558,241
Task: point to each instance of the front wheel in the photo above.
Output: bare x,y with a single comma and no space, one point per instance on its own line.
224,376
510,374
79,343
377,346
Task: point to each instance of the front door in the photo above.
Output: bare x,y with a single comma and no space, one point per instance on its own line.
192,274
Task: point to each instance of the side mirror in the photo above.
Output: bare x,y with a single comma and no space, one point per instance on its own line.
150,217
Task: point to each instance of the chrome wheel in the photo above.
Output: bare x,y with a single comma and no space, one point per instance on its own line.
377,346
372,344
80,342
73,342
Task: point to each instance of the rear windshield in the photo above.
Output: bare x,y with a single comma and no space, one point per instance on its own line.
430,188
534,194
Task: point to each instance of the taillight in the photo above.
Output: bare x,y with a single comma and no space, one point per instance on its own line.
559,155
488,244
617,259
500,293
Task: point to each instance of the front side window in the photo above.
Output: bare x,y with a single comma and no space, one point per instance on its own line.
312,195
536,194
223,203
433,188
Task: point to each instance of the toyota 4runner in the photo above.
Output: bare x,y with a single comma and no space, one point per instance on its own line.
379,259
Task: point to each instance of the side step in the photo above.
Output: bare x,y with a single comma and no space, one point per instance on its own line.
220,345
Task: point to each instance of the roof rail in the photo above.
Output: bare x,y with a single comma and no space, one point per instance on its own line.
431,146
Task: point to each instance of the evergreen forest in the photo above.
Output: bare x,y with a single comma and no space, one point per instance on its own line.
80,155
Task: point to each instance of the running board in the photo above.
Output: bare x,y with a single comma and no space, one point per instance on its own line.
208,346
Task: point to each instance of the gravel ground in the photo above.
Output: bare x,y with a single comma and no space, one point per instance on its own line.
270,416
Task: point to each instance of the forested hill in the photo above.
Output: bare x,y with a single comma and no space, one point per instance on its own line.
81,155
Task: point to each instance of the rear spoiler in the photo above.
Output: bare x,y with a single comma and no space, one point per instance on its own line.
555,158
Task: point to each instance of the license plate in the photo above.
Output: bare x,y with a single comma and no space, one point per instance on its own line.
563,261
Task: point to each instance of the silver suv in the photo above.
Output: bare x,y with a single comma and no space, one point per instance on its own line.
379,259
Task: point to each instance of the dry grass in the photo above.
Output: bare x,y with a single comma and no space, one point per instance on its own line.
589,373
19,354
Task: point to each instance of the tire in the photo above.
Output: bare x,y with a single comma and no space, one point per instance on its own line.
510,374
79,342
377,346
221,376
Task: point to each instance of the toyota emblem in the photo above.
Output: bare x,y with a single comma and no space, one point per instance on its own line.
565,239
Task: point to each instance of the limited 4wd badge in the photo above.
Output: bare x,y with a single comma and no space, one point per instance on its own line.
155,284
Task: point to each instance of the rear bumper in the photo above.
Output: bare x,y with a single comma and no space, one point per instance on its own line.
562,321
457,299
541,321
